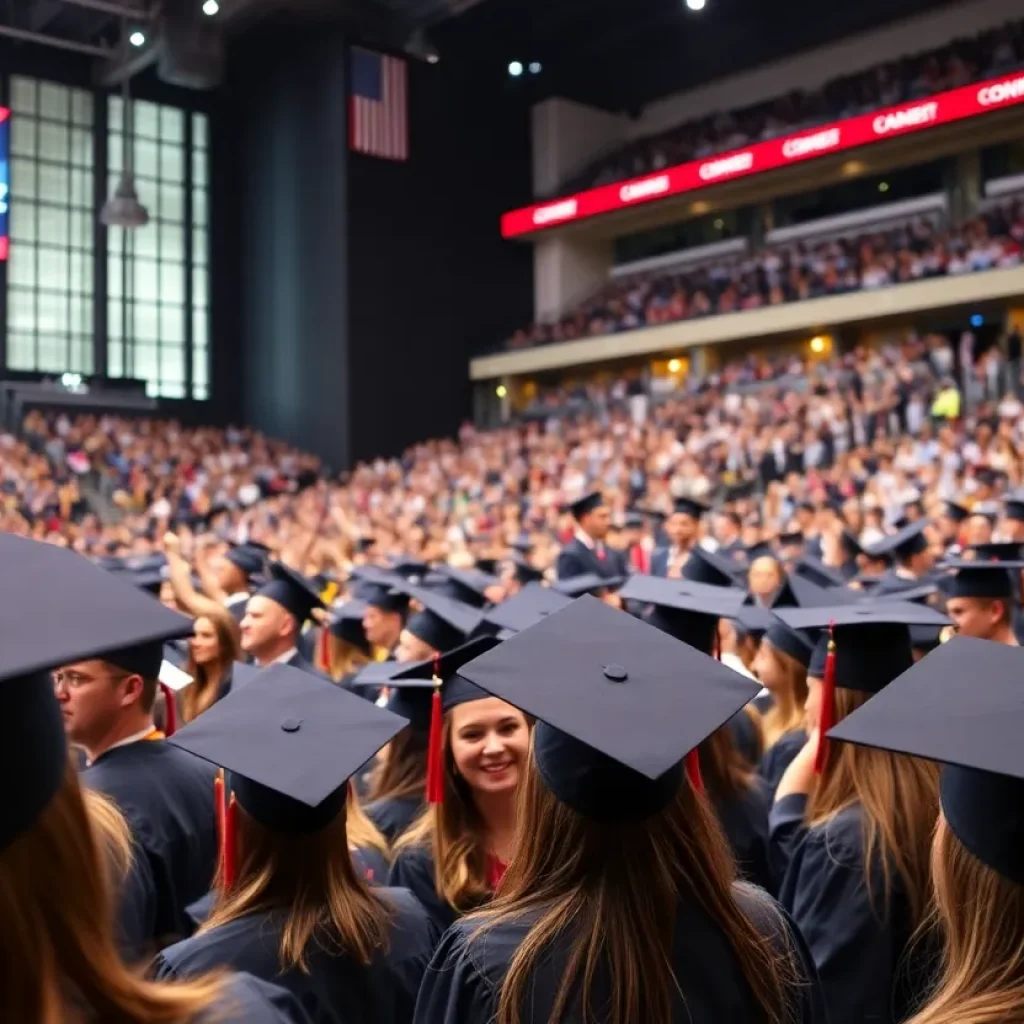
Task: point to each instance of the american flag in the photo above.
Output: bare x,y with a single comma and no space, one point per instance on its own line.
379,107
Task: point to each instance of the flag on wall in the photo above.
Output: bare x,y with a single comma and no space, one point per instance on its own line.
379,105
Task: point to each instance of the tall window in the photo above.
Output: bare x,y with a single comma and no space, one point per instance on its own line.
200,259
50,273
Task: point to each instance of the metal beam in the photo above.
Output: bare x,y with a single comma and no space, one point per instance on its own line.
42,13
117,10
117,69
55,41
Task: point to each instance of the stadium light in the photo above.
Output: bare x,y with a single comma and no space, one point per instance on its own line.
137,38
515,69
695,5
674,366
501,391
817,345
535,67
210,8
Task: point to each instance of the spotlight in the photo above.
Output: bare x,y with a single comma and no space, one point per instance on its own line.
137,38
432,58
535,67
695,5
501,391
817,345
210,8
674,365
977,320
883,186
515,69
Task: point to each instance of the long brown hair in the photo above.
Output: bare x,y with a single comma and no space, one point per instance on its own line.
980,915
726,773
312,878
343,658
402,772
787,711
616,888
455,833
362,833
203,692
899,800
58,933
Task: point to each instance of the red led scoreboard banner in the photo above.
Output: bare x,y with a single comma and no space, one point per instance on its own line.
956,105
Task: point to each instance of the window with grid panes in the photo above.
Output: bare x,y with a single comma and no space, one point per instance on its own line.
200,258
50,270
149,315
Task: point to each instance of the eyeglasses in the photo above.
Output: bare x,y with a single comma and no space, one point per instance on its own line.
74,681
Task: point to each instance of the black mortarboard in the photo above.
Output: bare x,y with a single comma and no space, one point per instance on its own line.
489,566
791,539
982,579
347,624
413,569
800,592
588,583
383,596
872,639
686,610
817,572
455,689
620,704
525,609
937,711
1004,551
956,512
292,591
585,504
66,610
441,623
754,620
525,572
249,557
988,476
904,543
760,549
466,585
789,641
1015,506
290,741
689,507
705,566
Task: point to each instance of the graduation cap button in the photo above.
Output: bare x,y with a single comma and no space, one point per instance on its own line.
291,724
615,673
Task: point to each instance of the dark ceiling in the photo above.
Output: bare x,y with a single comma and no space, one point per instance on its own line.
622,54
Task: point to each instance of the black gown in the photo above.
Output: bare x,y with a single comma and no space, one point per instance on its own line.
464,981
334,989
247,1000
779,756
394,816
166,794
413,869
136,910
745,823
860,954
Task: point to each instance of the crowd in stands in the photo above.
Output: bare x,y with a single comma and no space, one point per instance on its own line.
791,273
867,432
963,61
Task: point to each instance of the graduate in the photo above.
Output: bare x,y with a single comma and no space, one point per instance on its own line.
682,529
913,559
621,903
107,701
937,711
291,907
980,598
241,564
274,616
468,586
690,613
781,664
59,954
524,609
344,647
587,552
439,624
387,608
851,828
453,857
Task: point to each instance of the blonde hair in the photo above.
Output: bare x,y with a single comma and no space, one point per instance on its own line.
58,933
363,834
787,711
615,887
899,801
343,658
313,879
205,690
980,915
402,772
114,835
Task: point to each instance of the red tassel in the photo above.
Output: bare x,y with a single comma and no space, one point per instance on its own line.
230,852
170,711
218,810
828,703
693,770
435,744
325,650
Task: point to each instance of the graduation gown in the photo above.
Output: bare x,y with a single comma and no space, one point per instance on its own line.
778,757
746,736
335,989
860,956
745,823
247,1000
465,977
166,794
413,869
136,910
394,816
576,559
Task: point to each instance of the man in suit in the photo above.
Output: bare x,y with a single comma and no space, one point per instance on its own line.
682,529
274,616
587,552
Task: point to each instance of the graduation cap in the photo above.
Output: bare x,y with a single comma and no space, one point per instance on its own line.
1014,506
789,641
982,579
292,591
584,505
66,610
760,549
690,507
621,706
754,620
865,646
489,566
441,623
249,557
587,583
289,741
957,512
791,539
384,595
1004,551
817,572
936,710
466,585
525,572
905,543
705,566
686,610
525,609
634,520
447,689
412,569
347,624
798,592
